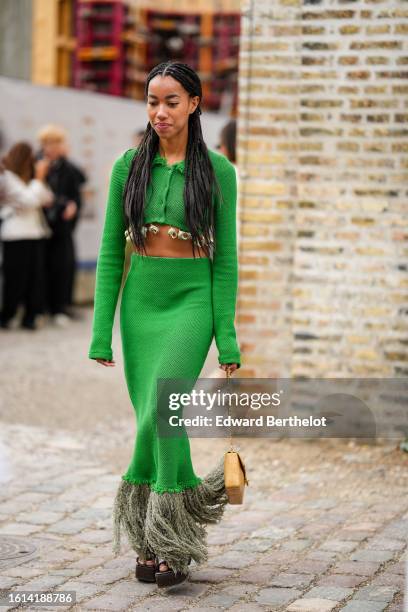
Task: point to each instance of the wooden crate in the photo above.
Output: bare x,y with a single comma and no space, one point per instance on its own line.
53,42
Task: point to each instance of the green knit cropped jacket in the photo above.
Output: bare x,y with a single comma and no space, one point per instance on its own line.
165,204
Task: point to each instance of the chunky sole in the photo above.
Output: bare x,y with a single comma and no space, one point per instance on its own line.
169,578
145,573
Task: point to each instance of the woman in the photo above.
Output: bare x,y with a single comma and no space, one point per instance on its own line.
163,196
23,232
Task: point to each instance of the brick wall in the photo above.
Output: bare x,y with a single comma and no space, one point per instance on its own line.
322,150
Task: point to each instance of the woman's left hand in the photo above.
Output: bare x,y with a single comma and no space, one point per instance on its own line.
232,366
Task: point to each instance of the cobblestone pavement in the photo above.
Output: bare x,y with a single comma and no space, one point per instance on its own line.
323,526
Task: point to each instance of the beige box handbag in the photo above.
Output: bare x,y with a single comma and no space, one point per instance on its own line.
234,471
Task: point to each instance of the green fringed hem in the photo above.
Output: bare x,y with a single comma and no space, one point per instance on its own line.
169,524
158,489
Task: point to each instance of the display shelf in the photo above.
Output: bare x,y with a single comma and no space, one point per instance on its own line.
111,45
207,41
99,29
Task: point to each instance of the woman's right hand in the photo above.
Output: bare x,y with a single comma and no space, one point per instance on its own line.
41,169
105,362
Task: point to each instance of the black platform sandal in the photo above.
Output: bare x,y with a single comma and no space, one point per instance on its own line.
144,572
169,577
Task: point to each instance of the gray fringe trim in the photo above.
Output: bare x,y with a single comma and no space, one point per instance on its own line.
129,510
206,503
170,524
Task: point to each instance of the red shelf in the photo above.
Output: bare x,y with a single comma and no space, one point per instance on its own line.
95,46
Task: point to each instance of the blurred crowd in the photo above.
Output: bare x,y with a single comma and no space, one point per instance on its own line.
40,205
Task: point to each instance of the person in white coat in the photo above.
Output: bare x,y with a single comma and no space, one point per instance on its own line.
23,233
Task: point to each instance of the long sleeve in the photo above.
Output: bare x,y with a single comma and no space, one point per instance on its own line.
109,268
225,265
21,195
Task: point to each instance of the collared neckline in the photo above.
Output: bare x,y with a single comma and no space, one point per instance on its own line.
158,160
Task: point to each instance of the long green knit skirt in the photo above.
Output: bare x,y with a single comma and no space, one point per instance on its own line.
166,323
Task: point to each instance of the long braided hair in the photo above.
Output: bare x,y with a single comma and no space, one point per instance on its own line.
200,179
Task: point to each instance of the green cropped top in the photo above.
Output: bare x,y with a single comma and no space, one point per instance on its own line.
165,204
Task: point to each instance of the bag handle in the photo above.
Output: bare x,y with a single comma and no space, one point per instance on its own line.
231,449
228,375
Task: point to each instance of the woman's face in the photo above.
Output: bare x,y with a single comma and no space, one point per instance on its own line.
169,106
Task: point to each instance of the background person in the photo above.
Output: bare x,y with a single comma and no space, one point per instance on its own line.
137,137
227,146
65,180
23,233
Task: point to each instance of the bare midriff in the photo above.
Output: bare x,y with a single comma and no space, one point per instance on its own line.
163,245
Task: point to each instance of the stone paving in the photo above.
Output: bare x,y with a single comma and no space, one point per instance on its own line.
323,527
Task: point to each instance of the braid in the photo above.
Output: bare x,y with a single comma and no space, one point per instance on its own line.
200,179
